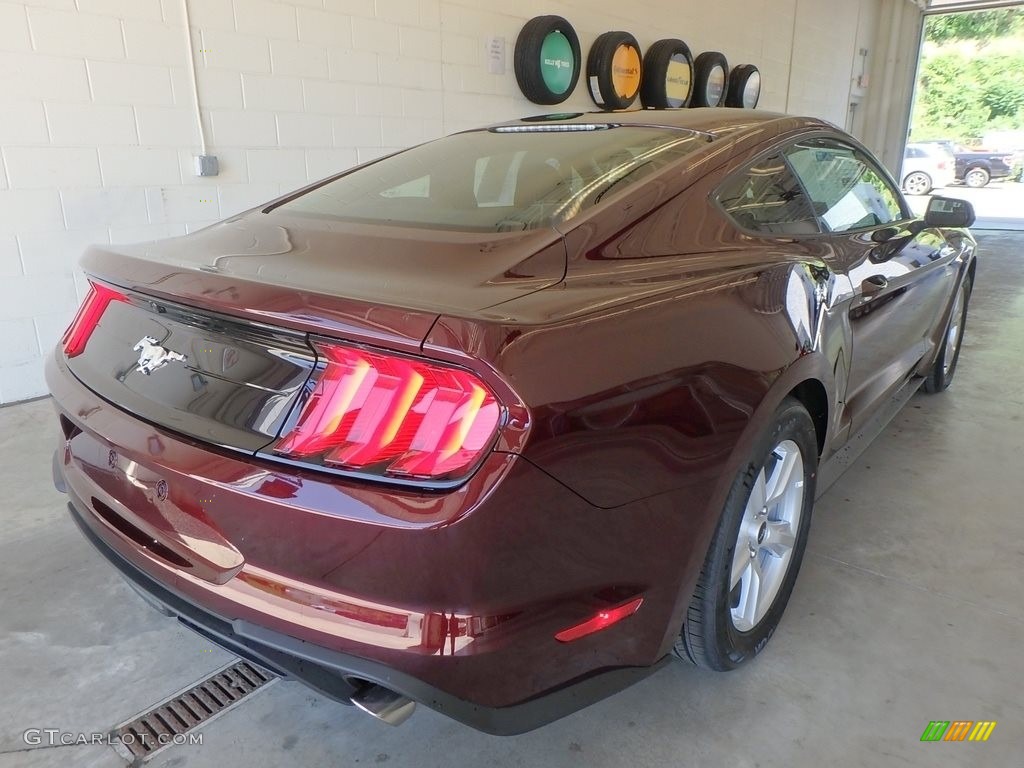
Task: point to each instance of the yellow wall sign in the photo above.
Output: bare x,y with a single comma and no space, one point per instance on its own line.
626,71
678,79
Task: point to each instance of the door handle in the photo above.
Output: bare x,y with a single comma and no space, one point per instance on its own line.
873,285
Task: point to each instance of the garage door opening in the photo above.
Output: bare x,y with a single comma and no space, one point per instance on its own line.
967,126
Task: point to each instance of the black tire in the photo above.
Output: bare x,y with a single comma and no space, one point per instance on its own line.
705,86
737,94
977,177
941,374
658,76
709,637
528,59
600,80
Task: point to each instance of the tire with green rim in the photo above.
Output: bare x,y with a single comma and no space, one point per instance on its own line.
941,374
547,60
667,75
917,183
614,70
744,87
710,80
755,553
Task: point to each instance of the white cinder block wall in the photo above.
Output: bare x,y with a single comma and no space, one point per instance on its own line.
97,130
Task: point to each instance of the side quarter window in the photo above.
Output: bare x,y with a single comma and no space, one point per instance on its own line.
766,197
844,185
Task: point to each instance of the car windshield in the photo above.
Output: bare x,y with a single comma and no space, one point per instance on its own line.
499,180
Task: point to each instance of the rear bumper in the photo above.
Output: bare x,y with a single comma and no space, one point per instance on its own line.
453,599
339,675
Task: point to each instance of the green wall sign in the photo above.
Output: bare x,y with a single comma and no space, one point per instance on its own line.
557,65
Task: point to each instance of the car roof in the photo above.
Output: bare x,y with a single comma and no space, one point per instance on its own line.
716,122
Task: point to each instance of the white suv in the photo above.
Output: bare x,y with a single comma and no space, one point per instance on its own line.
926,166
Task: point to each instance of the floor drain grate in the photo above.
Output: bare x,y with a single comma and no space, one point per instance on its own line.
168,722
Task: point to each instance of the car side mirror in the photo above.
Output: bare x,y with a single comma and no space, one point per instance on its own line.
949,212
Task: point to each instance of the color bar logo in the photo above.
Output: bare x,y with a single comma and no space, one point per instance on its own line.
958,730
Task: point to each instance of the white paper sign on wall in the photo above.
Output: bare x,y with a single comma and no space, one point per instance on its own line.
496,55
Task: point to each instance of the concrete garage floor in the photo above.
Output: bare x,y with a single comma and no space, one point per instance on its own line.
909,609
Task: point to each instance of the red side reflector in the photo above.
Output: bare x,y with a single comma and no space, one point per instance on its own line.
393,416
600,620
88,317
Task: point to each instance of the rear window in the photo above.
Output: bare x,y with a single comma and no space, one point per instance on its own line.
766,197
499,180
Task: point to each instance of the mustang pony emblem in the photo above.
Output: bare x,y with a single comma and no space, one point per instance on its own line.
154,356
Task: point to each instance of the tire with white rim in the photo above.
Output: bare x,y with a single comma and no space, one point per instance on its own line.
917,183
976,178
941,374
757,548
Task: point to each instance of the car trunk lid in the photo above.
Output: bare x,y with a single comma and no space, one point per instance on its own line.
207,376
212,339
414,269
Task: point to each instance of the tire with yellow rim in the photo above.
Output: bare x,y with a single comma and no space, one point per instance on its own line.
614,70
667,75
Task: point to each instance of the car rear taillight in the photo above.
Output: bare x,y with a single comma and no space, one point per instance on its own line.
942,165
96,302
393,416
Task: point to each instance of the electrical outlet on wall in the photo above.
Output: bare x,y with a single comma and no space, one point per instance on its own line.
206,165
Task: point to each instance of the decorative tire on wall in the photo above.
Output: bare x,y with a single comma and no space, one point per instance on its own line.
744,87
547,60
710,80
667,81
614,70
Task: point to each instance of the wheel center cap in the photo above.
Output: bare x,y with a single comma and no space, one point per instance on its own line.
762,532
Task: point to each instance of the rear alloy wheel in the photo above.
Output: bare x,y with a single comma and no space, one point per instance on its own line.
917,183
976,178
941,375
756,551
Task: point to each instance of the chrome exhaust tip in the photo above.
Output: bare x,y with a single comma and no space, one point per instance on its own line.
384,705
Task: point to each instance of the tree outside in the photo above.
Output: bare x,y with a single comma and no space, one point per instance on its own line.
971,79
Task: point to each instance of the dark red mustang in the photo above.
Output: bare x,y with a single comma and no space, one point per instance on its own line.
499,423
